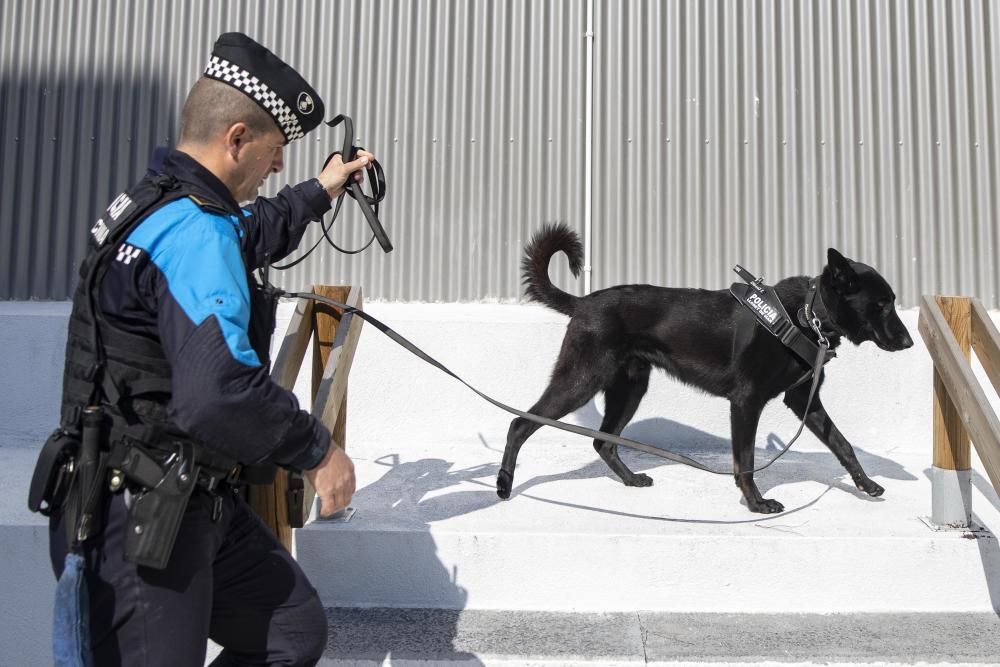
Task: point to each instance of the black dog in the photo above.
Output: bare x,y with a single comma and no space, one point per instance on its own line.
705,339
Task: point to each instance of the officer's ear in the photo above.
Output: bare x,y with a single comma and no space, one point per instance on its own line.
236,138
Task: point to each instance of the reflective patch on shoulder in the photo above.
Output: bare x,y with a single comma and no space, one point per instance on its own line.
127,253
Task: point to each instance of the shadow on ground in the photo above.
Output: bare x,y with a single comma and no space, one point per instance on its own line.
413,489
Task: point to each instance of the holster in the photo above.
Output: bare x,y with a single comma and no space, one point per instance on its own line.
155,515
55,473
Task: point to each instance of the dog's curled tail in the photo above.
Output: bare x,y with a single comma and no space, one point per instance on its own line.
546,242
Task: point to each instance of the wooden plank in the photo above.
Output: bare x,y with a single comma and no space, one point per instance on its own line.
326,321
951,441
333,387
270,501
330,400
293,345
986,342
962,387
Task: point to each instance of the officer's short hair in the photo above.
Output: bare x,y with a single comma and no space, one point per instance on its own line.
213,107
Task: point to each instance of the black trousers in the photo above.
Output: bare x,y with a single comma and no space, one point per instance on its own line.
229,580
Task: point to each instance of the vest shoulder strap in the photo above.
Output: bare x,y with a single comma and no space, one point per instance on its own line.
131,206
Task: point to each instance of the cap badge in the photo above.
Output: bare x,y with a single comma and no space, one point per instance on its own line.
305,103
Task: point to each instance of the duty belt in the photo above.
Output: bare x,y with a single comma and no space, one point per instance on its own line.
146,468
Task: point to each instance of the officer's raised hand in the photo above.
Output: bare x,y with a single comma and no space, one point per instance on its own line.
335,174
333,480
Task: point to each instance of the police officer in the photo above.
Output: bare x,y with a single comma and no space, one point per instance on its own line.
167,357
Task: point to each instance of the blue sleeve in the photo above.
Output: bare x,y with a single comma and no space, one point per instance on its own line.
221,393
275,225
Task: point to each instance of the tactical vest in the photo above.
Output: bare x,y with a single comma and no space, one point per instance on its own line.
127,373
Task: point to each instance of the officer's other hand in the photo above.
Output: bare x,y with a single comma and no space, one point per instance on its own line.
334,176
333,480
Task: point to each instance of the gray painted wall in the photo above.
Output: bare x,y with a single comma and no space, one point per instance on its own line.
755,132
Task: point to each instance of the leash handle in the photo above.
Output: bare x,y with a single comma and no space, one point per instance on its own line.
369,205
754,282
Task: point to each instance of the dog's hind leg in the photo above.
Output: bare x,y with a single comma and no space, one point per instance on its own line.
744,420
569,390
621,399
819,422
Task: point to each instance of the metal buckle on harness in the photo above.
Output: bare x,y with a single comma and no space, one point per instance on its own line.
782,329
755,282
788,335
816,325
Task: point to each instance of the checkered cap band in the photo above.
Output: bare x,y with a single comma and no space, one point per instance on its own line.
234,75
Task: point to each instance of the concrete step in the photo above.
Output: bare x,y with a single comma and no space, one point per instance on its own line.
429,531
364,637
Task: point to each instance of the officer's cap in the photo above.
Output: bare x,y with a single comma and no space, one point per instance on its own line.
280,90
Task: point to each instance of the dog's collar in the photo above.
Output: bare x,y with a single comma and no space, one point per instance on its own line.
815,307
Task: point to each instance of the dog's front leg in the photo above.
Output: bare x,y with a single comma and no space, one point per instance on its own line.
819,422
744,419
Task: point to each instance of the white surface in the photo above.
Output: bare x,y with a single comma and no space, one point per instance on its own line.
430,531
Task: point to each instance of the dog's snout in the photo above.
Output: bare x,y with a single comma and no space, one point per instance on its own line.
900,338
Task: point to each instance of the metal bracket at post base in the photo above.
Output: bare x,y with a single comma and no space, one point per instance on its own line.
951,498
343,516
951,503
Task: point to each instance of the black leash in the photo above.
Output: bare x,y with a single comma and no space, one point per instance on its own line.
572,428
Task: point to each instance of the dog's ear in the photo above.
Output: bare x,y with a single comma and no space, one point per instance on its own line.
845,279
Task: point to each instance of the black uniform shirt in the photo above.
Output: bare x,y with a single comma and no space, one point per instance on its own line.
181,278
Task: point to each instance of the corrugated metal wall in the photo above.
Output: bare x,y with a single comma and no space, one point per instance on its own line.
754,132
764,132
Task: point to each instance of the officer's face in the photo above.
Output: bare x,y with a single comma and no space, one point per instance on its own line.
260,156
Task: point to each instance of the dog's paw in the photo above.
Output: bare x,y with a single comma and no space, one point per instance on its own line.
639,479
504,482
871,488
766,506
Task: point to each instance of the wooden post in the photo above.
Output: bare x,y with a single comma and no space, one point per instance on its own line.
335,338
951,476
951,440
961,409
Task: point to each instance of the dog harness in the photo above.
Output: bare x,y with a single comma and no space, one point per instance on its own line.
763,302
